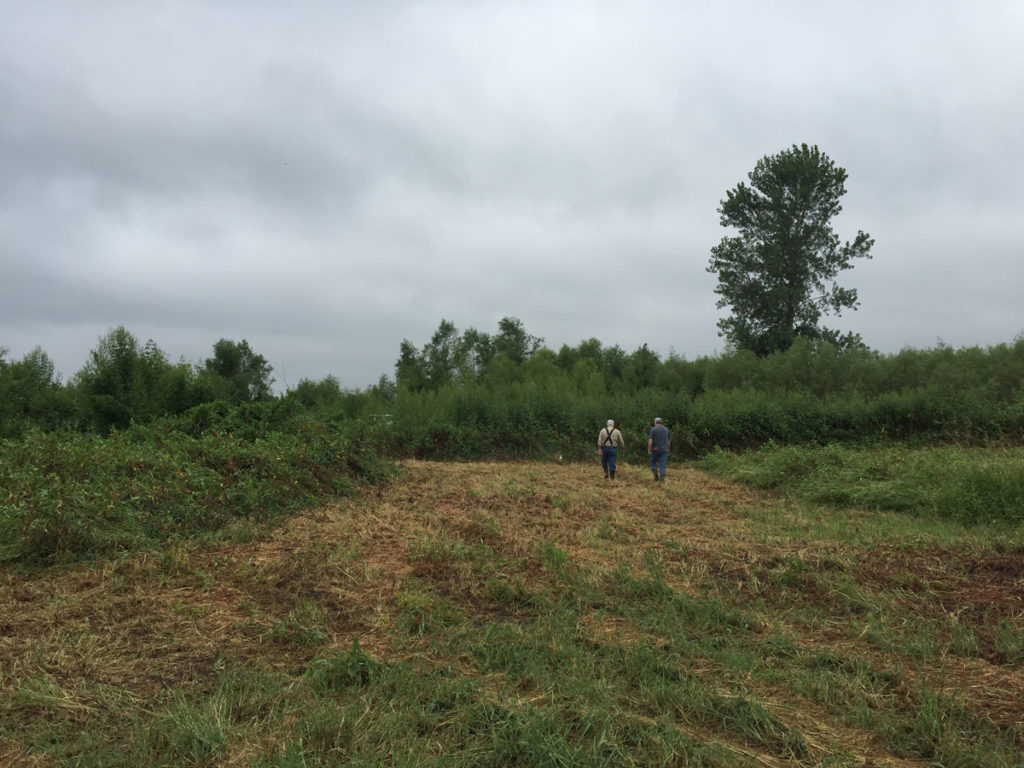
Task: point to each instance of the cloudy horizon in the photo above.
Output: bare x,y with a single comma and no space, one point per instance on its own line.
327,180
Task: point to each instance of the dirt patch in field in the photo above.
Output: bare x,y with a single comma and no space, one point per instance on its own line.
982,589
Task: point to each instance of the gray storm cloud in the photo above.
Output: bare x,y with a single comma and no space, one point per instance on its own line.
325,182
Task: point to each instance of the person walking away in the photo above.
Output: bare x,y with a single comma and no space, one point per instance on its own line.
657,446
608,443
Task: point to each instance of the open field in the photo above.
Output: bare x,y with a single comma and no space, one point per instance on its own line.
491,614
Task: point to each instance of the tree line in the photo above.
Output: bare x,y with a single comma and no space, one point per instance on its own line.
551,402
472,393
125,382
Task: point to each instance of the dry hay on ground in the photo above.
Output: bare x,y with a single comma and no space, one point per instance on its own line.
147,624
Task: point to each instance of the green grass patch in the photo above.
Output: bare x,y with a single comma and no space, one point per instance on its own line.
968,485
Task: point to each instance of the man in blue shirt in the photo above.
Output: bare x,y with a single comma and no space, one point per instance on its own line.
657,446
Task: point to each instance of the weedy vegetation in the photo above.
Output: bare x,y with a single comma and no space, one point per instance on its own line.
77,495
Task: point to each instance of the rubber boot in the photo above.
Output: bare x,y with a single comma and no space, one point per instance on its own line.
613,474
655,473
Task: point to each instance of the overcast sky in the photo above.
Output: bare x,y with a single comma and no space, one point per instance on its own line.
324,179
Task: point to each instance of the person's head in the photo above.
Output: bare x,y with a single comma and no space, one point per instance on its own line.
610,423
657,420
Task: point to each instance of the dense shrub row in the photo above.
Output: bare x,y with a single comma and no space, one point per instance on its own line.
530,421
475,395
68,494
547,404
123,383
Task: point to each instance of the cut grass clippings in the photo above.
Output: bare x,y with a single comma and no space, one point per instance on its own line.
495,614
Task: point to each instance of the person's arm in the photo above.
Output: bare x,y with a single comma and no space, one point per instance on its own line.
650,442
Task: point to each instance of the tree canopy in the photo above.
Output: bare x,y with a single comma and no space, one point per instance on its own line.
239,375
778,274
454,358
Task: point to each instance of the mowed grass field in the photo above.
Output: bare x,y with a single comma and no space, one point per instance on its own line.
533,614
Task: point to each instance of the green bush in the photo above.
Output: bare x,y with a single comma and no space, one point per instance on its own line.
70,495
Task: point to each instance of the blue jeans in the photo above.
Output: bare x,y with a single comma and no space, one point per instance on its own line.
608,457
658,459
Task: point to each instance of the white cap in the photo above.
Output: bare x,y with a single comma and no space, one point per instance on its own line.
657,420
610,422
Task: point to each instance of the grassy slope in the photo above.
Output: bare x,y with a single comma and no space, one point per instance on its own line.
529,614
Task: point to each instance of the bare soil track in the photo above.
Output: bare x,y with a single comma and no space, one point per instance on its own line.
155,622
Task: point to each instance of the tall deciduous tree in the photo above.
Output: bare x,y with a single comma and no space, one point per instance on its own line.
514,341
410,369
443,356
122,381
237,373
31,394
778,274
